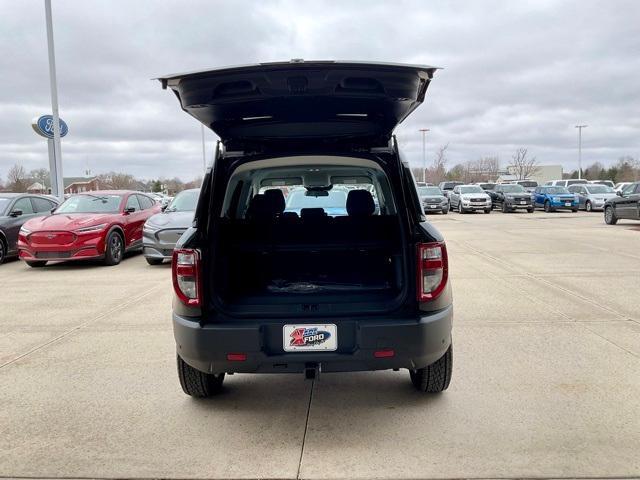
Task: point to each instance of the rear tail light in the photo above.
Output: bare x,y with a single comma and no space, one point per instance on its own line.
185,270
432,270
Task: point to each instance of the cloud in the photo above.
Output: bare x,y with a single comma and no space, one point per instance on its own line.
515,74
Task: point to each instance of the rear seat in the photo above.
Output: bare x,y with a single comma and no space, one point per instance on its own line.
268,227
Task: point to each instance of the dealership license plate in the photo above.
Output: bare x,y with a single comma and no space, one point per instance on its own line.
567,204
433,206
310,338
523,203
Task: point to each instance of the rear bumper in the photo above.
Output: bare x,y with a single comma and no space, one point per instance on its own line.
416,343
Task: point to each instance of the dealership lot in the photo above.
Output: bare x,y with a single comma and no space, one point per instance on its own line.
546,378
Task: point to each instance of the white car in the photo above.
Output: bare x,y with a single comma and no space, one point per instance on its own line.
621,185
566,183
469,198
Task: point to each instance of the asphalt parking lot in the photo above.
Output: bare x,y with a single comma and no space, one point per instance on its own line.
546,378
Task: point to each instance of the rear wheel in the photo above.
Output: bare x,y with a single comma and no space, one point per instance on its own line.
153,261
588,206
435,377
36,263
114,249
196,383
610,216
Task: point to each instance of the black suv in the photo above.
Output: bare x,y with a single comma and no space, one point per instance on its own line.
309,250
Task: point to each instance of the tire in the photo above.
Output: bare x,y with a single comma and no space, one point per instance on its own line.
610,215
36,263
487,210
3,250
445,211
505,209
436,377
153,261
460,209
530,210
547,206
196,383
588,206
113,249
574,210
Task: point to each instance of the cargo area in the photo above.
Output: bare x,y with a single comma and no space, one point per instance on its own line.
327,242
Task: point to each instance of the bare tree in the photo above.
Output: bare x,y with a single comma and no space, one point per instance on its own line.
438,171
41,175
17,179
522,166
117,181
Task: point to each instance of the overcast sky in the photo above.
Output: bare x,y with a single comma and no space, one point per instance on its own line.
514,74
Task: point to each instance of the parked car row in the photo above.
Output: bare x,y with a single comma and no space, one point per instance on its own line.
101,225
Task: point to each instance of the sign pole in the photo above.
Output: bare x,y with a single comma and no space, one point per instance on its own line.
57,182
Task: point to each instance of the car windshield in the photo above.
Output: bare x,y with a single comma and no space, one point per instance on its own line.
184,202
429,191
487,186
471,189
556,190
528,184
88,203
298,199
576,182
512,188
4,202
599,189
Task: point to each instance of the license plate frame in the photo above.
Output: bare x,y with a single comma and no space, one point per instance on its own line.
308,337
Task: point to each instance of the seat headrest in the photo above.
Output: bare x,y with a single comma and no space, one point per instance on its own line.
258,207
276,200
360,203
312,213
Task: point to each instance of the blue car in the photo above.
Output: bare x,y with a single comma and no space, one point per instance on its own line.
553,198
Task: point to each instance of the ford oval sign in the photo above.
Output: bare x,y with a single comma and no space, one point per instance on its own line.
44,126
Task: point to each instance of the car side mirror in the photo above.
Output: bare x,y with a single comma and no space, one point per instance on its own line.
164,207
15,213
53,209
129,210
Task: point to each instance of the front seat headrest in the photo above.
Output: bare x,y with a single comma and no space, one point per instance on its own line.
360,203
276,200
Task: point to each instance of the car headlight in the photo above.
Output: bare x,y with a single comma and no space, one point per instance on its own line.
93,228
150,227
24,231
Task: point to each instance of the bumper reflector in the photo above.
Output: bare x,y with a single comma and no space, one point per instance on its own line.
386,353
236,357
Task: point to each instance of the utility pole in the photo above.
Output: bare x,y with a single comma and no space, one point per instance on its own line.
424,153
57,182
580,127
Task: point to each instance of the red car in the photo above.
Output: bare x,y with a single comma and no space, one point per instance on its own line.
103,224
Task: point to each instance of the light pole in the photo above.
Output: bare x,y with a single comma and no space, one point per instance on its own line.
580,127
57,183
424,153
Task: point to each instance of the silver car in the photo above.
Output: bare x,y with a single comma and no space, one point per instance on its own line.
591,196
162,230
